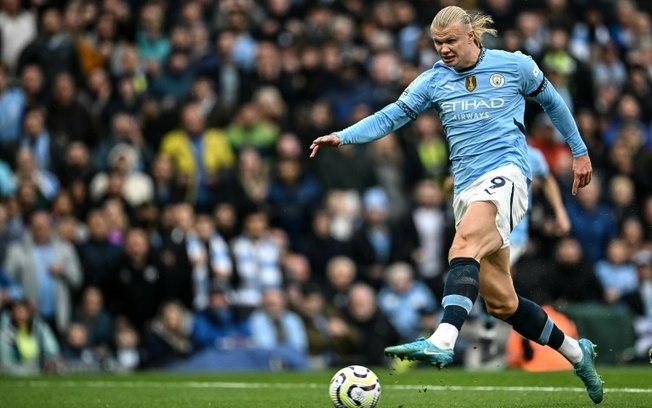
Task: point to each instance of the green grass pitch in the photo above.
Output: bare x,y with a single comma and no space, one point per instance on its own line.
420,387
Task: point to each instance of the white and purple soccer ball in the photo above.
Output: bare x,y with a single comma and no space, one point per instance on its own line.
355,386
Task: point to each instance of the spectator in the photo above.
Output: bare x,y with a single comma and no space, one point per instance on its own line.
328,334
250,129
126,346
376,243
78,355
572,277
220,324
9,231
17,30
12,104
96,320
7,182
210,104
167,340
341,274
123,180
175,81
33,84
425,226
75,164
568,278
402,298
28,172
622,196
152,44
47,269
227,221
319,246
253,175
616,273
376,332
124,130
430,148
137,288
346,168
640,303
126,63
273,326
211,260
99,257
627,117
292,197
164,178
9,291
389,162
257,257
28,346
609,68
95,48
68,119
177,272
52,50
201,157
46,150
592,221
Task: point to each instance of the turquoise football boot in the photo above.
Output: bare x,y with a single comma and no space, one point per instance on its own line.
586,371
421,350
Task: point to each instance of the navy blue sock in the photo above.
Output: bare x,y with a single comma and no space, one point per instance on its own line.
460,290
532,322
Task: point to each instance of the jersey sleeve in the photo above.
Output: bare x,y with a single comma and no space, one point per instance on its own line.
418,96
415,99
530,75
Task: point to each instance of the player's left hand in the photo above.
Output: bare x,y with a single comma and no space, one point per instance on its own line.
328,140
582,172
563,224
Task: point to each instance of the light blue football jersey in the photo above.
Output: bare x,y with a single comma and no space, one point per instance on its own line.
481,109
540,170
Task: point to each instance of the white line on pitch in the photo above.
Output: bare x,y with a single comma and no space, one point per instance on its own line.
237,385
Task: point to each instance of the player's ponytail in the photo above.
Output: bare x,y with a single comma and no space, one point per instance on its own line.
480,23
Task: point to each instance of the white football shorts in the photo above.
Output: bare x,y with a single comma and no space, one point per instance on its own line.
507,188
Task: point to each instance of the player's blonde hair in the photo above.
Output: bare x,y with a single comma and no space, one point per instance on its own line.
480,23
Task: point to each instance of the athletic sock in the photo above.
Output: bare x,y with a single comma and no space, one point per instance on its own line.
571,349
445,336
532,322
460,292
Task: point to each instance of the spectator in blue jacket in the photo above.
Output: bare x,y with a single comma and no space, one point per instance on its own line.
220,325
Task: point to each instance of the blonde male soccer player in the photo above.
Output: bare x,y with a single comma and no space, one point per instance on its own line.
479,95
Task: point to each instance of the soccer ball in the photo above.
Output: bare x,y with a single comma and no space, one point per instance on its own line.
355,387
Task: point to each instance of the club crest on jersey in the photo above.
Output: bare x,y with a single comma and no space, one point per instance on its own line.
497,80
471,83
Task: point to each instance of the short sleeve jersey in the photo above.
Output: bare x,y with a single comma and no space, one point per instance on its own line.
481,109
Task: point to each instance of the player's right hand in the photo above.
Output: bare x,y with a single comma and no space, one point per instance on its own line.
328,140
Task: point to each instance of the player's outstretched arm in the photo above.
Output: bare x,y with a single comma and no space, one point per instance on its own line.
328,140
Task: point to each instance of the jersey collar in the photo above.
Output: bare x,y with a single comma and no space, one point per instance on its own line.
480,57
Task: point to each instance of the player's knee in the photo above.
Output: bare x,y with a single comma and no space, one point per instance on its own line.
501,308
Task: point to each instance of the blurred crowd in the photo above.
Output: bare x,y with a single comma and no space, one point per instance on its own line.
158,208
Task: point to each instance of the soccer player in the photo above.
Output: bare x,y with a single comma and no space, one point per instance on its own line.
479,95
519,237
